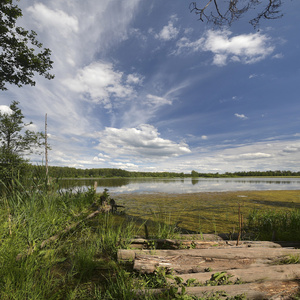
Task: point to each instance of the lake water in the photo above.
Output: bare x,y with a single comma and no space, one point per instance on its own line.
186,185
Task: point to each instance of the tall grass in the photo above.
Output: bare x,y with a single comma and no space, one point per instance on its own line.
67,268
277,225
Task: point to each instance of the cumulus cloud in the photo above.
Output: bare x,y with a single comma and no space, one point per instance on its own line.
4,109
126,166
169,32
241,116
143,141
100,81
244,48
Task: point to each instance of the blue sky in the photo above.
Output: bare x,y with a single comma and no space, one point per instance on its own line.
145,86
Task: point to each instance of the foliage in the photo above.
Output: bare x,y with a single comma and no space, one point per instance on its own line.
15,142
175,287
19,60
69,172
290,259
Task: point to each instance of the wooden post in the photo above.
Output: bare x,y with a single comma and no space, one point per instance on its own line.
240,226
46,150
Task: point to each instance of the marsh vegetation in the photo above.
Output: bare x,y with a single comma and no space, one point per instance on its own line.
82,263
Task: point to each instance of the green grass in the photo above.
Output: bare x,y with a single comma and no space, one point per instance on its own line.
82,263
280,225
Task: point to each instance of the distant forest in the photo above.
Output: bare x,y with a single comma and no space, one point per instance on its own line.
67,172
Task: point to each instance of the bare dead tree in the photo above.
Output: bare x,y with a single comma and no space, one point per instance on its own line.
225,13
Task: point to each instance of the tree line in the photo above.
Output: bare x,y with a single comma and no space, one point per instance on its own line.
69,172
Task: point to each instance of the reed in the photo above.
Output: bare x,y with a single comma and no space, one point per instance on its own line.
280,225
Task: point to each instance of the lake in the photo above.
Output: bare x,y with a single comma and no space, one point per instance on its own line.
184,185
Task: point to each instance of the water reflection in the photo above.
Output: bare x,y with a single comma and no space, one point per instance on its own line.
187,185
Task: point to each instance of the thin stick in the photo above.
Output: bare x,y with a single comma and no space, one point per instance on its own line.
239,235
68,228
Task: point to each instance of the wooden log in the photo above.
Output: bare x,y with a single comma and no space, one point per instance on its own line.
252,274
202,237
250,290
198,244
264,290
187,264
221,253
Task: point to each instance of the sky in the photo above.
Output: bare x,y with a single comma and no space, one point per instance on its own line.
144,85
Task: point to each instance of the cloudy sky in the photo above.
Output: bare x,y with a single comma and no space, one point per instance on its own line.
143,85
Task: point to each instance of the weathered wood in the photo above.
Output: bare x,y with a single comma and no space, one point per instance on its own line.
268,290
250,290
252,274
189,264
221,253
197,244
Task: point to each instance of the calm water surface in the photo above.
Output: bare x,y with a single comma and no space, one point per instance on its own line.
186,185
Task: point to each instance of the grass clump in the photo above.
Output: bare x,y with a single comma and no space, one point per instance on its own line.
280,225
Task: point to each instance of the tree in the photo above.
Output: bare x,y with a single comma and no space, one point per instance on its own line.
194,174
15,142
18,58
225,12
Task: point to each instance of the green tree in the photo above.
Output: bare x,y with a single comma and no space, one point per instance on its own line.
194,174
15,142
19,59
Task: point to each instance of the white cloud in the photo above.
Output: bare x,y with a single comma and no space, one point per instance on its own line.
140,142
278,56
169,32
134,79
252,76
55,20
4,109
291,149
244,48
241,116
185,43
204,137
124,166
257,155
157,101
100,81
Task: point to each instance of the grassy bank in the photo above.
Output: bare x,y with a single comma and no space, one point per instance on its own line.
81,263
